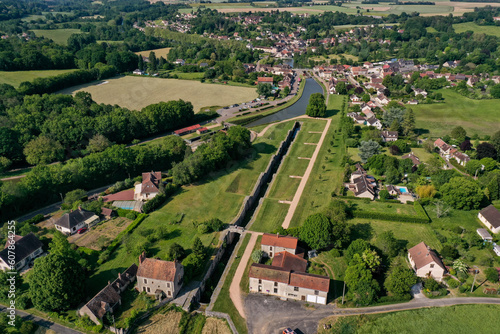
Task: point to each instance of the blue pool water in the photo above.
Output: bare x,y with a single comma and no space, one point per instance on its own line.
403,190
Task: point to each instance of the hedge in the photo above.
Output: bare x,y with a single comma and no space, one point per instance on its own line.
129,229
158,200
420,210
35,220
391,217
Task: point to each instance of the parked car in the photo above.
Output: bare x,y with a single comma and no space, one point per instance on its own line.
82,230
289,331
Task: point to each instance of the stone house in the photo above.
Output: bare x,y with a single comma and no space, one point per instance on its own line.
274,243
163,279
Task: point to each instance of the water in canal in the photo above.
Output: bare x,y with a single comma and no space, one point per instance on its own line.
296,109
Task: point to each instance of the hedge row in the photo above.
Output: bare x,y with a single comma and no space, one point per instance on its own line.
420,210
158,200
129,229
391,217
35,220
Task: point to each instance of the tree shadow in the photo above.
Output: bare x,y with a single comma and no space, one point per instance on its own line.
361,231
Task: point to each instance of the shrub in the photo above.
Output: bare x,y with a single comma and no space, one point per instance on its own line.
202,229
131,215
453,283
491,275
449,252
464,288
384,194
431,284
334,252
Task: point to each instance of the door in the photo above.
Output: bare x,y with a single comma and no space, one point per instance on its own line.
311,298
303,298
260,288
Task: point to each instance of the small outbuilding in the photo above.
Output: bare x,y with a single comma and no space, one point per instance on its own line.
483,233
490,216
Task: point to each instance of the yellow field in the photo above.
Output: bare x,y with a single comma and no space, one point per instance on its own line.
137,92
163,52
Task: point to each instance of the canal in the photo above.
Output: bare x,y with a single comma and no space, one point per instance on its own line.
296,109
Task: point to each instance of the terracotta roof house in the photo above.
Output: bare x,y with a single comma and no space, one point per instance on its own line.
187,130
460,157
490,216
443,147
27,248
107,213
149,188
125,195
108,298
163,279
413,157
388,136
286,278
71,222
274,243
425,262
265,80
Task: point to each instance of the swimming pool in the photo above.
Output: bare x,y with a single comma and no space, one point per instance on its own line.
403,190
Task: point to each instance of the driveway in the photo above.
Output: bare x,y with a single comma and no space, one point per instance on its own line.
43,322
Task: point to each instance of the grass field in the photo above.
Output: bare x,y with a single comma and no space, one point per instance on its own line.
137,92
477,29
59,36
270,216
163,52
322,182
15,78
452,319
219,195
475,116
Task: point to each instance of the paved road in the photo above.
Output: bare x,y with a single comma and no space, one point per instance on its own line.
43,322
305,177
269,314
54,207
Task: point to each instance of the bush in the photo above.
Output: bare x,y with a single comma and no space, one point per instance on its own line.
449,252
453,283
464,288
431,284
334,252
202,229
131,215
491,275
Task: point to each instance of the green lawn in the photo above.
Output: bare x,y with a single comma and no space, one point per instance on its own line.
322,182
59,36
220,195
477,29
475,116
270,216
15,78
223,302
374,206
187,76
452,319
284,187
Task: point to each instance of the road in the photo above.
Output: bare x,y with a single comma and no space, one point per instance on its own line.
54,207
268,314
43,322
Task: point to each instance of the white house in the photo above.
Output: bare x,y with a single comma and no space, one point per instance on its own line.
388,136
26,249
490,216
425,262
71,222
149,188
373,121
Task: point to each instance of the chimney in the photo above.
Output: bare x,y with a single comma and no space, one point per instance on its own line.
277,234
142,257
119,276
109,282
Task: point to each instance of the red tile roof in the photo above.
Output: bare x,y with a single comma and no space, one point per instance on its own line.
422,255
265,79
289,261
150,182
269,273
277,240
126,195
310,281
157,269
187,129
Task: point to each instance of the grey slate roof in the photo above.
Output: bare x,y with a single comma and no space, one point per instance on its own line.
72,219
24,247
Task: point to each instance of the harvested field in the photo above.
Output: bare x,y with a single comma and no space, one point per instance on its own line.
138,92
167,323
100,236
163,52
215,326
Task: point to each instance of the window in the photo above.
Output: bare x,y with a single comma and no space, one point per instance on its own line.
295,288
275,283
316,292
143,288
260,281
432,265
168,284
275,290
145,281
149,290
270,248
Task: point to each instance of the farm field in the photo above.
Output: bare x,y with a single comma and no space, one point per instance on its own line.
59,36
100,235
464,318
218,196
477,29
164,323
475,116
138,92
163,52
15,78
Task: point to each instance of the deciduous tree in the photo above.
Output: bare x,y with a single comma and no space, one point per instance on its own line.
43,150
316,106
400,280
462,193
